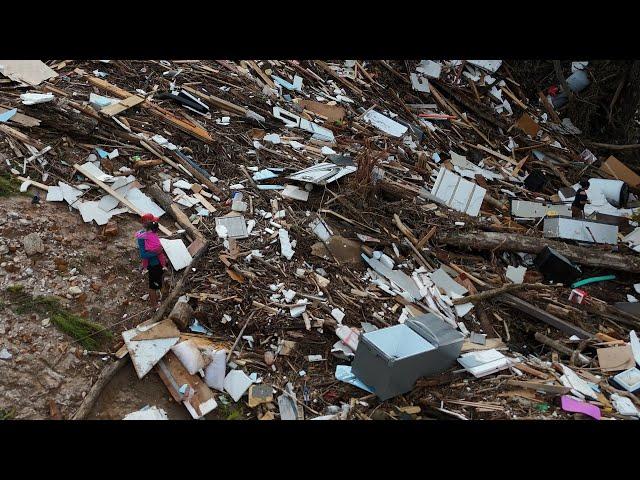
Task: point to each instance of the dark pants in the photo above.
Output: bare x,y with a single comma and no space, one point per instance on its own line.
155,277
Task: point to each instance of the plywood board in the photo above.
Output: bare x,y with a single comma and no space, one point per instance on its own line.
174,376
31,72
615,359
614,167
528,125
333,113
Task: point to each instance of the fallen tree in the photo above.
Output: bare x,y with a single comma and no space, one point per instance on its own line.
591,257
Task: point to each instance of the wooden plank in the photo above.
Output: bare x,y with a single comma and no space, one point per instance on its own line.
553,389
543,316
41,186
116,108
205,202
116,195
519,166
21,119
18,135
260,73
494,153
187,127
549,108
174,375
217,101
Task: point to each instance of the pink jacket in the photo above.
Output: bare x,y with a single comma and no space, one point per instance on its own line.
152,244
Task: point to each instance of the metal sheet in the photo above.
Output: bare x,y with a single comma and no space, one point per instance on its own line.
458,193
580,230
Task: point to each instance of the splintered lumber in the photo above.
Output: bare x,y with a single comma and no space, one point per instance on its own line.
520,243
543,316
18,135
498,291
174,210
404,229
552,389
217,102
116,195
337,77
168,117
549,108
557,346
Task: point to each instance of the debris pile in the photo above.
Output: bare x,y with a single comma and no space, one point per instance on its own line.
355,239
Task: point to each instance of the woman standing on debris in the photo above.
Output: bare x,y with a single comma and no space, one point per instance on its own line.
153,258
580,200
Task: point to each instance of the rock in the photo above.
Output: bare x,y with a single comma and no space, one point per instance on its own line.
46,322
75,290
24,222
5,355
33,244
12,268
28,272
13,215
4,249
110,230
269,357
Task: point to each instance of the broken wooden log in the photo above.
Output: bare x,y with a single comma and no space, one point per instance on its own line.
557,346
498,291
519,243
172,209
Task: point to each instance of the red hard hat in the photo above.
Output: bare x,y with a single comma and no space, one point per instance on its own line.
149,217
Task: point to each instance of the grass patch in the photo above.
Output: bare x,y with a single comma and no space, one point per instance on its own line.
229,411
6,414
89,334
9,186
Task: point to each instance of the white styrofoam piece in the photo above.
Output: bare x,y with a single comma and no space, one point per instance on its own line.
143,202
214,374
294,192
635,346
490,65
148,413
91,211
189,355
236,383
69,193
386,124
146,353
578,384
516,274
484,362
285,244
54,194
177,253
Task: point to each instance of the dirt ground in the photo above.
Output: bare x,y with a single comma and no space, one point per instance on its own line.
49,373
126,393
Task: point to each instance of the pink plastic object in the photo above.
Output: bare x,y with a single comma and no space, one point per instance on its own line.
570,404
